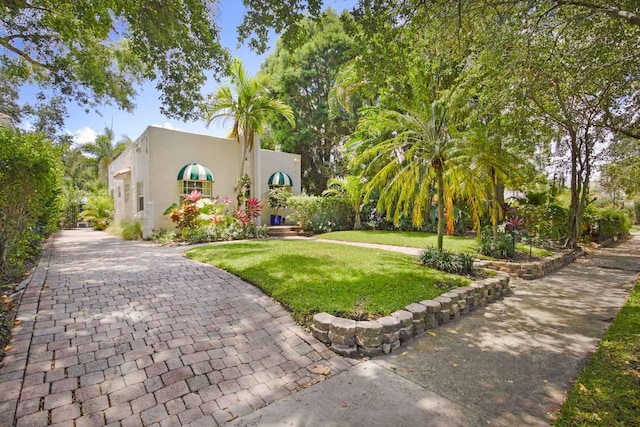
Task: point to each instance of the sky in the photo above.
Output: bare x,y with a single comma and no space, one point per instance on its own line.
85,126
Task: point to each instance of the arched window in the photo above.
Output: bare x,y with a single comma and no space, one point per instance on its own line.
195,177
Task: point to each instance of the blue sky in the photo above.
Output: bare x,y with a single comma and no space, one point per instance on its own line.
147,112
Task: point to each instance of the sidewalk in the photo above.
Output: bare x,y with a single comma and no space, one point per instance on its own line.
507,365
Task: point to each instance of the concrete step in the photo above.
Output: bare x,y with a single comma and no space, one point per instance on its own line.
282,230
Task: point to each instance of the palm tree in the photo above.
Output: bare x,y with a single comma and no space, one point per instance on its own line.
98,209
249,103
408,149
482,158
353,188
105,152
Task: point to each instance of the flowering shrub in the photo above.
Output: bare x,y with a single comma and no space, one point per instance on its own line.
205,220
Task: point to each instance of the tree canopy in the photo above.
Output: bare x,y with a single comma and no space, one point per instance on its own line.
95,53
303,79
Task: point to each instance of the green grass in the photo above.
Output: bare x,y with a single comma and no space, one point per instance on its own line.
416,239
411,239
311,277
607,392
539,252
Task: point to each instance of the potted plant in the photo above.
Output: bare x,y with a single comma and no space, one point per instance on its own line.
278,197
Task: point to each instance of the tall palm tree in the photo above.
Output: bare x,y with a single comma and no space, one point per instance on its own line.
249,104
406,149
353,188
105,151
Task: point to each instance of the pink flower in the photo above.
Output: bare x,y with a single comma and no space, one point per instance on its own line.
193,197
242,217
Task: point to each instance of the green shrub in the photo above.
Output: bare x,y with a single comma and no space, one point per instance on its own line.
604,224
30,189
636,211
503,248
163,236
446,261
548,221
98,209
316,214
131,230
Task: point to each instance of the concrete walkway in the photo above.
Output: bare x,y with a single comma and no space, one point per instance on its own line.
510,364
129,334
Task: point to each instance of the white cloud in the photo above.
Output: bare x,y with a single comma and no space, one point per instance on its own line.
84,134
26,125
167,125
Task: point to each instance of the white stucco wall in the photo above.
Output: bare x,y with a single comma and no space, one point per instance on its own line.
170,150
157,156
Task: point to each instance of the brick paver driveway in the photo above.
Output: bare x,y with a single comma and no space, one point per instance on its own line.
121,333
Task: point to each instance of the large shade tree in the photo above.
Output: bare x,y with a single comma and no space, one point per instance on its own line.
248,103
303,78
95,53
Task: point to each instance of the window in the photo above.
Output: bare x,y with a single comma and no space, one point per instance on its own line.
205,187
127,192
119,192
140,195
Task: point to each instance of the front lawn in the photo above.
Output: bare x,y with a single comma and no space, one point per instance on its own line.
607,392
417,239
311,277
411,239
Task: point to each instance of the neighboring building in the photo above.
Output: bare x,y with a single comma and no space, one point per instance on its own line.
7,121
163,165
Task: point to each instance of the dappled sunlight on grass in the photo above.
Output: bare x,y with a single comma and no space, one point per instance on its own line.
310,277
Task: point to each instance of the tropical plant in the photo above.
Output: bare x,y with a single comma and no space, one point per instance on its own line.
98,209
449,262
131,230
278,197
503,248
480,160
249,104
105,152
406,149
351,188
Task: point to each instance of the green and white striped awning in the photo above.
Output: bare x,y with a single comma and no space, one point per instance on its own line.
280,179
195,172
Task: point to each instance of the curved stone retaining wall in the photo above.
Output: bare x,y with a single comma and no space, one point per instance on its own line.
368,338
531,270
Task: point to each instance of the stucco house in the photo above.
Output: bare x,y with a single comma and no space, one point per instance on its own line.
163,165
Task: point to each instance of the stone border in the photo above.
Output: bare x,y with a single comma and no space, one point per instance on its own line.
355,338
532,270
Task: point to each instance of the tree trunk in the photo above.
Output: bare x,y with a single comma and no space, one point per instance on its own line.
495,206
574,207
440,176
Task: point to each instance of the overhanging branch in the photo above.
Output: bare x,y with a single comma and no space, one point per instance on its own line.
630,17
25,55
